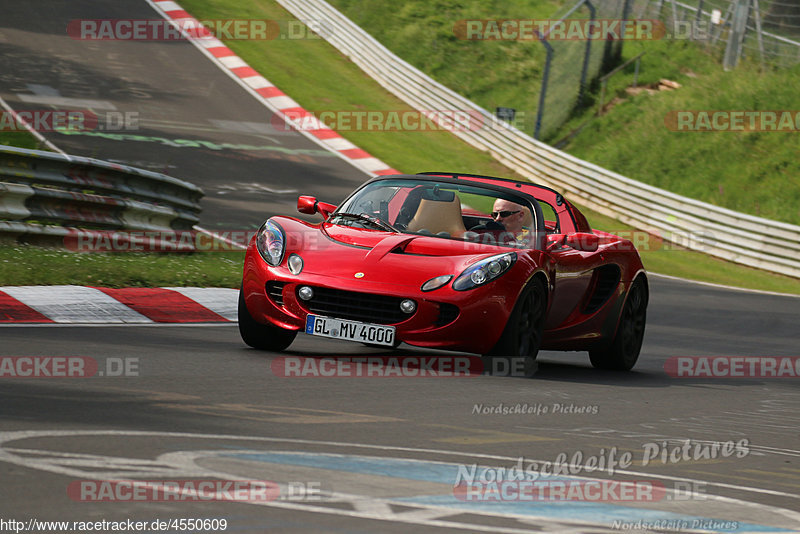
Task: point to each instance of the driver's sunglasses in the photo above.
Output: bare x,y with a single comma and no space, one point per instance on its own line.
503,214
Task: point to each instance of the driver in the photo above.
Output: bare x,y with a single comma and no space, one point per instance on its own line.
511,216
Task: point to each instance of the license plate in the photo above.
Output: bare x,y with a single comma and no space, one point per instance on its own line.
377,334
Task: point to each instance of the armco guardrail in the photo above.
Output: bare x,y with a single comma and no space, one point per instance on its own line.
39,190
741,238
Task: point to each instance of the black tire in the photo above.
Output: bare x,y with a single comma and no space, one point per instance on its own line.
623,351
522,335
262,336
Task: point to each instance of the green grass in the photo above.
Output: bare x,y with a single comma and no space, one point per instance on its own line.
756,172
30,265
18,139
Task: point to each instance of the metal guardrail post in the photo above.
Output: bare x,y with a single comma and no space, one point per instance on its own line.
733,52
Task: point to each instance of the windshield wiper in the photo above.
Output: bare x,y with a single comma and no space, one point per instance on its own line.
375,221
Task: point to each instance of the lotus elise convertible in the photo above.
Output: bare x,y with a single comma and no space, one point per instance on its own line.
448,261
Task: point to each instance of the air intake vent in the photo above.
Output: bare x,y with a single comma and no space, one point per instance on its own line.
604,282
275,291
447,314
366,307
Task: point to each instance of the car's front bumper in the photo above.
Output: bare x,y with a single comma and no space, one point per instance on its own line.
469,321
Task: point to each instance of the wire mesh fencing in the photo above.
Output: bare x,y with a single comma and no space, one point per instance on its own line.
581,43
762,30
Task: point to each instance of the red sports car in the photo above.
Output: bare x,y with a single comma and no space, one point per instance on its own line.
448,261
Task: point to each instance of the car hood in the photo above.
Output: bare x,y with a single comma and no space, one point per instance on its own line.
384,257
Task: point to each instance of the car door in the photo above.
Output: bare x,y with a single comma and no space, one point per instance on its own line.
574,267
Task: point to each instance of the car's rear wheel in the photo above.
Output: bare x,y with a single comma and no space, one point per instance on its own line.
261,336
623,351
522,336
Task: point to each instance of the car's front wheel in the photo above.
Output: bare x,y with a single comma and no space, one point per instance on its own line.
261,336
522,336
623,351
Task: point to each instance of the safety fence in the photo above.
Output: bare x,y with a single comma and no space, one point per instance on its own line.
572,64
737,237
46,194
762,30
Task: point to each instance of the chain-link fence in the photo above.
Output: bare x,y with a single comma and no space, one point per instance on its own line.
575,58
763,30
780,23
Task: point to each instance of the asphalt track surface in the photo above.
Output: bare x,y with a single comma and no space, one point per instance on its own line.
375,454
203,383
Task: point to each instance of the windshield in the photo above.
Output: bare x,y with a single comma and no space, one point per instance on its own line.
441,209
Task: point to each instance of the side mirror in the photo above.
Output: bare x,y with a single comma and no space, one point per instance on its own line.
583,242
310,205
307,205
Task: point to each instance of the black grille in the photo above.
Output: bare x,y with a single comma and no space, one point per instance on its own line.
365,307
275,291
447,314
607,279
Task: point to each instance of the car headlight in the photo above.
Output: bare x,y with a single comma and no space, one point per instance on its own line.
484,271
271,243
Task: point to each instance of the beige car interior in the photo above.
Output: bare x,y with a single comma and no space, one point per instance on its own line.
437,216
